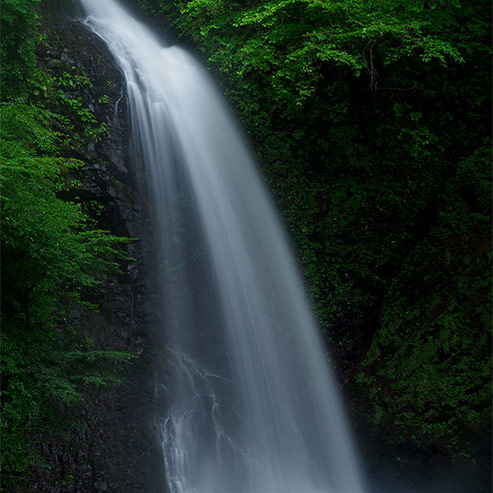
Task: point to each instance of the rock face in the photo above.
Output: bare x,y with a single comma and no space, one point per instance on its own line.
110,444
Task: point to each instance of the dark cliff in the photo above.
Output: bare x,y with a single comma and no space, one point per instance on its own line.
108,444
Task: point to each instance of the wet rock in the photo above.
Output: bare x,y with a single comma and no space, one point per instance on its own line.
107,443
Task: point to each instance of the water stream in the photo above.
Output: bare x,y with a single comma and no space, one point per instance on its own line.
250,403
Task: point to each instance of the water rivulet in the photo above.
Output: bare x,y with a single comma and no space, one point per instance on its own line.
250,406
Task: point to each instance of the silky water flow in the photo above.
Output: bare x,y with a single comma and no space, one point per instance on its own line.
250,405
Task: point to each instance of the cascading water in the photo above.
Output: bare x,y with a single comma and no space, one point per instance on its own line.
250,404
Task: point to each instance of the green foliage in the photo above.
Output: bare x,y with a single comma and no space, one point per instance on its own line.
49,251
43,373
22,79
62,91
20,35
289,44
431,358
45,239
154,6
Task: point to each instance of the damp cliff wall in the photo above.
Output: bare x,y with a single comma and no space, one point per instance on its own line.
107,442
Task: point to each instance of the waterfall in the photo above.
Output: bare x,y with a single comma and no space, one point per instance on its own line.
250,404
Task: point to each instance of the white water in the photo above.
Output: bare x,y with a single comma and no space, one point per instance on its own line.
250,405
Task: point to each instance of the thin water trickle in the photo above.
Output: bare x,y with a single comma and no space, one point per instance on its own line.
250,403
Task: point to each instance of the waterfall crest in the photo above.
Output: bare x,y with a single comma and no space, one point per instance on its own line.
250,406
